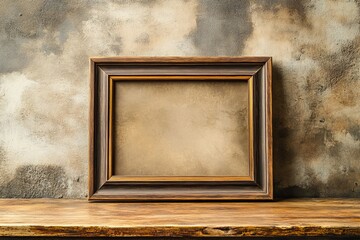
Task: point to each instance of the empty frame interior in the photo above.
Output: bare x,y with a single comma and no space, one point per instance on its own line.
180,127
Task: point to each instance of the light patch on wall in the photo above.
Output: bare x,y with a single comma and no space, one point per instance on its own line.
12,86
332,34
158,29
289,33
16,138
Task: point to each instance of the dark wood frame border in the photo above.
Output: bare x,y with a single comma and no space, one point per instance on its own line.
103,71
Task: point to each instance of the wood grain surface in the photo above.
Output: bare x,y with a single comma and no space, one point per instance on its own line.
75,218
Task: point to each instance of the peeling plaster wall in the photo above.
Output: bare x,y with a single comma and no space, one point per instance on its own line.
45,46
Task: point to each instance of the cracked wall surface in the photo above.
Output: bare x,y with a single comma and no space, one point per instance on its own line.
44,78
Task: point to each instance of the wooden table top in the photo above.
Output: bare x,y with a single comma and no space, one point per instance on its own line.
71,218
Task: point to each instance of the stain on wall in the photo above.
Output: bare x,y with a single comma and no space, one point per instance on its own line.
45,46
34,181
222,27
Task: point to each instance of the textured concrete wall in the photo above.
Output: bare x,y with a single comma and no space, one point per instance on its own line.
45,46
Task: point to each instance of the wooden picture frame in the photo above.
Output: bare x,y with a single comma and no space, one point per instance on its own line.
118,81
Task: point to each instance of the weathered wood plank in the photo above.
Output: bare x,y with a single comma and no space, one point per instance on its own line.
70,218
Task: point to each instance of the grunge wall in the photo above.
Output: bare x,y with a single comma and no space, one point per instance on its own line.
44,78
